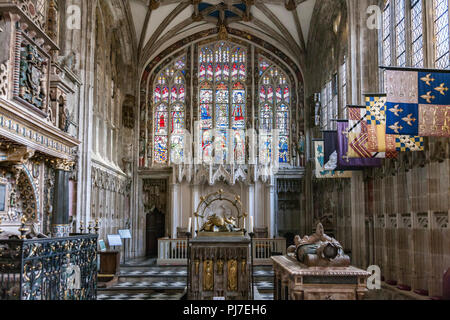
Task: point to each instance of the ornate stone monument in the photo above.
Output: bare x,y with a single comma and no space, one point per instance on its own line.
219,255
316,268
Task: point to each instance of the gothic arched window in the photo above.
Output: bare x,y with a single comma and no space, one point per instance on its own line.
169,107
222,96
221,103
274,111
441,34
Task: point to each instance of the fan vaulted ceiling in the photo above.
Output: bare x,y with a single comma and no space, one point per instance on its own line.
158,24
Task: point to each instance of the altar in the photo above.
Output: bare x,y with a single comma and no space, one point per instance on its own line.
220,254
220,268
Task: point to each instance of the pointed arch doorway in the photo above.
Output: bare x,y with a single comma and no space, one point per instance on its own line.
155,204
155,228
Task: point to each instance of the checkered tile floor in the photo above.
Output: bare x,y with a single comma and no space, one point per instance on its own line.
154,272
140,296
266,296
141,279
264,285
150,285
263,273
141,262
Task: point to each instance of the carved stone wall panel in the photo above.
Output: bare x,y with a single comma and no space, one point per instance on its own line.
3,81
31,77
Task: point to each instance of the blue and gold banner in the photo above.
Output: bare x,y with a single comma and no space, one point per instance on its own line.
378,140
418,102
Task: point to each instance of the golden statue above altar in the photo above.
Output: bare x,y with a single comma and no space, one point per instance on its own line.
220,214
215,223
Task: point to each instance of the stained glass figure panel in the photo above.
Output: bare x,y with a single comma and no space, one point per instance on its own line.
284,149
266,120
238,116
206,95
157,95
206,116
222,94
209,72
207,147
220,146
177,148
222,116
265,149
239,146
161,120
283,120
262,95
165,94
177,119
161,149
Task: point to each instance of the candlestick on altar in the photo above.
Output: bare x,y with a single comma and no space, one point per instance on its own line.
190,225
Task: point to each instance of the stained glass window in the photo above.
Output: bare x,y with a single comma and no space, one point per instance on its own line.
324,108
169,103
343,79
417,33
223,99
400,37
387,34
441,34
274,111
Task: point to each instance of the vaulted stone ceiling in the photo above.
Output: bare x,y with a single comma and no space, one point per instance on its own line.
158,24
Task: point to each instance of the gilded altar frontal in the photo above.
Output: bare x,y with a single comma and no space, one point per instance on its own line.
197,151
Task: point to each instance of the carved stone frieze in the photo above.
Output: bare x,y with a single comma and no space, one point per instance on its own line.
422,221
109,181
3,81
441,220
36,14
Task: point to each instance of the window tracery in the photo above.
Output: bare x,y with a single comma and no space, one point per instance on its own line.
223,107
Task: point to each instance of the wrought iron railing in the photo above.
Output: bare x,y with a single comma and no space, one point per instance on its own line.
49,269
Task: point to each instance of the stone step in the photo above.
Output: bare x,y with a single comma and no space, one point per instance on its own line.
153,272
146,295
264,285
146,285
152,268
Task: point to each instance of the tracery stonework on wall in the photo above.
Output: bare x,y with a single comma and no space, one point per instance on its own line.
155,195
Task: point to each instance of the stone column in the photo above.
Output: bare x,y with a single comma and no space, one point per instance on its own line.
195,201
251,205
61,203
270,208
365,75
174,196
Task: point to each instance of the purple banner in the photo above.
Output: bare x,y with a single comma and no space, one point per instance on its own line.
345,163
